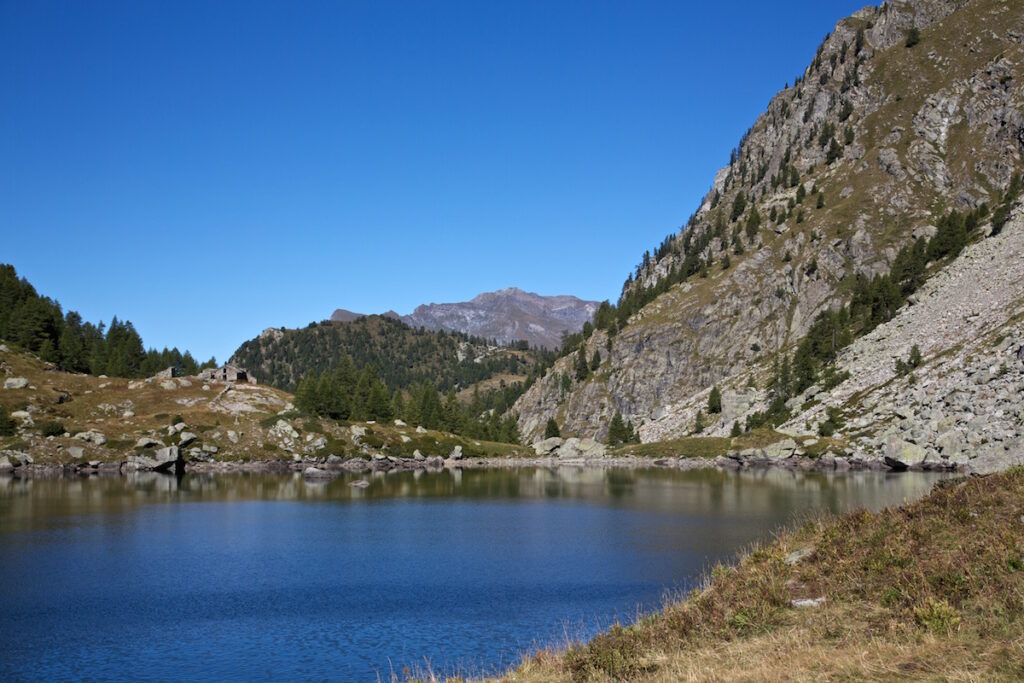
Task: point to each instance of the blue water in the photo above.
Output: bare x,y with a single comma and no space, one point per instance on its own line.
270,578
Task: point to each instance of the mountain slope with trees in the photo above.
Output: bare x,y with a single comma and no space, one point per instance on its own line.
899,144
38,324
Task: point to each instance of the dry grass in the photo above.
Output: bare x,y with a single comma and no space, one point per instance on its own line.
933,590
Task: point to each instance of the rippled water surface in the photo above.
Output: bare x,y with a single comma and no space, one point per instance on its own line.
270,577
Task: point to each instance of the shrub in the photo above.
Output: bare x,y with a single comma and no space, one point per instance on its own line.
6,423
938,616
913,37
51,428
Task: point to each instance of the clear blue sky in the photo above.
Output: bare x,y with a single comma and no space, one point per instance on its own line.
207,170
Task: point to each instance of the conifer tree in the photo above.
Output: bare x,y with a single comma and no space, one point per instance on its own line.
715,401
551,429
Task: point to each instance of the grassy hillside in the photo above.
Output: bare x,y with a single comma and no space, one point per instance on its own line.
933,590
238,420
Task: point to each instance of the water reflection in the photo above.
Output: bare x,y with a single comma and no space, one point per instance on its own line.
773,493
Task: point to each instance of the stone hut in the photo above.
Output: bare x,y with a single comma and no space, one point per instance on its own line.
226,373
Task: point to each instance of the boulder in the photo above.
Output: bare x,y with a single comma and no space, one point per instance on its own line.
232,436
316,473
547,446
358,431
417,456
23,416
15,383
92,436
421,430
570,450
399,423
780,449
167,457
900,455
139,462
456,453
282,429
590,448
146,442
76,452
186,438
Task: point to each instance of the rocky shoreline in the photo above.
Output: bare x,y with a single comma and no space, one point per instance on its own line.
775,457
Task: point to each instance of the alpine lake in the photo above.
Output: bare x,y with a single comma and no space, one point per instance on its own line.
153,577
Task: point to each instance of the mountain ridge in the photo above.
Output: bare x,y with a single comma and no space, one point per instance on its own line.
881,137
505,315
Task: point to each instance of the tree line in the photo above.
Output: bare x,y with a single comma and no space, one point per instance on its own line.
38,324
348,393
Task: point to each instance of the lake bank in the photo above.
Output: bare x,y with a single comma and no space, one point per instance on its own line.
927,590
20,465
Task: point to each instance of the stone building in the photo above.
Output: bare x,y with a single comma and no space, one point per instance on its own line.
227,373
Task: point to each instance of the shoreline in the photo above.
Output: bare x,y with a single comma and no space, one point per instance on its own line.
329,468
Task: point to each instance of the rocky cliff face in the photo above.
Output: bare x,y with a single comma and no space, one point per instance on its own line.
875,142
506,316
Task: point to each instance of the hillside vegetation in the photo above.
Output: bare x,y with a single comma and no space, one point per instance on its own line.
38,324
404,356
901,143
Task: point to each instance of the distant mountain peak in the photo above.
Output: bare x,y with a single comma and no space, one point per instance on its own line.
506,315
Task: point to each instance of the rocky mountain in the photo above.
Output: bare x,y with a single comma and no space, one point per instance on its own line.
506,315
908,111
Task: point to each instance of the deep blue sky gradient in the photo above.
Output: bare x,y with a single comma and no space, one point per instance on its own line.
207,170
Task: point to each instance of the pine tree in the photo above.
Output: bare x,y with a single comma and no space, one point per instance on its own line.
617,431
736,429
595,361
582,369
698,422
715,401
551,429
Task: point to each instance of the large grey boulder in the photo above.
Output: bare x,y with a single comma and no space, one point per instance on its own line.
92,436
146,442
167,457
456,453
590,448
997,458
139,462
780,449
316,473
901,455
570,450
15,383
547,446
186,438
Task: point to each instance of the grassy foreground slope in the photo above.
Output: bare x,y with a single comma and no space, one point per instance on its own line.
932,590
